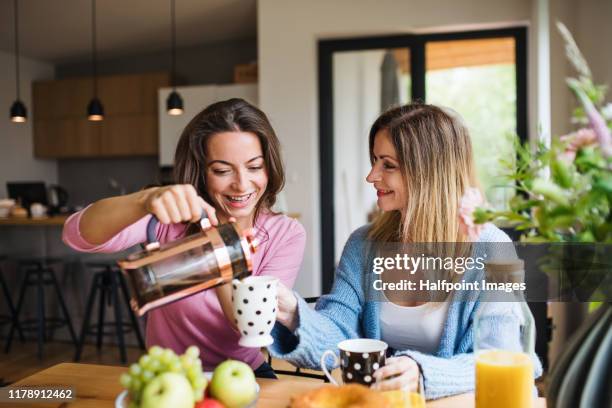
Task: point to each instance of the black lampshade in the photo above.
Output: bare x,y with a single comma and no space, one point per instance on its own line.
174,104
95,110
19,113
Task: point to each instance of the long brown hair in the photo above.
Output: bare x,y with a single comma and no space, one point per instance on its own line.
232,115
435,159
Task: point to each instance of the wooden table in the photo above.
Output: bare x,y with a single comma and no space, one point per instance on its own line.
97,386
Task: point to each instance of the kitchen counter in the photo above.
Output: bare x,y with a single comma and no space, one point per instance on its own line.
43,221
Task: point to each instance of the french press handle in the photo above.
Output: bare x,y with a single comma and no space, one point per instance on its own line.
153,243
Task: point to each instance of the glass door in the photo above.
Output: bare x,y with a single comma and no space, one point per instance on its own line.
477,78
365,83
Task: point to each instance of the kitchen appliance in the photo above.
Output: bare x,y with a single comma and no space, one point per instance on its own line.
58,200
27,193
164,273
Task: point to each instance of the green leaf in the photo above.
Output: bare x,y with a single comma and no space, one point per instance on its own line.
562,173
604,184
550,190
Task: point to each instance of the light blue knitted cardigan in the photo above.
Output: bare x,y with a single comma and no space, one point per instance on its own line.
346,313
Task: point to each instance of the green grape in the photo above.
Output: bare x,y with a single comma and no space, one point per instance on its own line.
125,380
144,360
156,351
193,373
136,385
160,360
198,395
193,352
175,366
186,362
154,365
146,376
135,369
167,357
199,382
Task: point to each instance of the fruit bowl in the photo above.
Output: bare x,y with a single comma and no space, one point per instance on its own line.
123,400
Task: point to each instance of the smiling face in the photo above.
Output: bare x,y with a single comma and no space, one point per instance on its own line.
236,176
386,175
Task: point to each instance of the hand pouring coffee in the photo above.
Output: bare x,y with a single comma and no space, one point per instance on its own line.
164,273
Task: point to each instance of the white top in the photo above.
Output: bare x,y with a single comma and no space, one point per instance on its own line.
416,328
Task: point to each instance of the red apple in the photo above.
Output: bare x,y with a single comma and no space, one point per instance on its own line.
209,403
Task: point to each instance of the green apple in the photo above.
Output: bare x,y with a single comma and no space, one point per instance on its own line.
168,390
233,383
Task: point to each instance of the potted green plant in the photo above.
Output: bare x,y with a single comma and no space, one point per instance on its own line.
564,195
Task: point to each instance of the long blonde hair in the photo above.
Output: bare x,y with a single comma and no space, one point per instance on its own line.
435,159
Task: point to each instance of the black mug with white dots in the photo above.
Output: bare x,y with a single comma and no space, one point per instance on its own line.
358,360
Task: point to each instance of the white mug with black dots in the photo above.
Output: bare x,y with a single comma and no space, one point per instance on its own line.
254,303
358,360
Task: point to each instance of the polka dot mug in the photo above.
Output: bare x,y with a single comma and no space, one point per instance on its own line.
254,304
358,360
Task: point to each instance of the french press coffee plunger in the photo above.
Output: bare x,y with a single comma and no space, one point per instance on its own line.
164,273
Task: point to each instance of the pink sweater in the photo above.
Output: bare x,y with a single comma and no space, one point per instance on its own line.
199,319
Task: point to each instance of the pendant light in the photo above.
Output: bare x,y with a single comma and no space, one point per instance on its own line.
174,103
19,112
95,110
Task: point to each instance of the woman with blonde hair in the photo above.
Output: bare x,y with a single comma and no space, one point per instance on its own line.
422,165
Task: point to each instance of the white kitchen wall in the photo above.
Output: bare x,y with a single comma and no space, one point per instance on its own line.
288,32
589,22
17,162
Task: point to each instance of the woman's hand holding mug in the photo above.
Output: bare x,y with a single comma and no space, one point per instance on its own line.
287,307
398,373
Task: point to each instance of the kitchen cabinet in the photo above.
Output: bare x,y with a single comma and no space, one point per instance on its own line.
195,99
67,137
125,135
129,128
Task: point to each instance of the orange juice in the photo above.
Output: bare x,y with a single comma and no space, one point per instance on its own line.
504,379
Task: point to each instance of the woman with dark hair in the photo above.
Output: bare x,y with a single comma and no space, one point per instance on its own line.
228,164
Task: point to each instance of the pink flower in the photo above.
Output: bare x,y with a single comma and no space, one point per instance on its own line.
597,122
575,141
471,200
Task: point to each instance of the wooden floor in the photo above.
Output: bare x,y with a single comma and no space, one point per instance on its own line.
22,360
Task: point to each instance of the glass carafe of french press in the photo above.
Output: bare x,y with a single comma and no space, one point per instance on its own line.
164,273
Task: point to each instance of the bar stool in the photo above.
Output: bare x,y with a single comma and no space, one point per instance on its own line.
39,273
11,318
108,281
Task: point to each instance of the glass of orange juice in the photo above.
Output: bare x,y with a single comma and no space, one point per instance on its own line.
504,368
504,379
